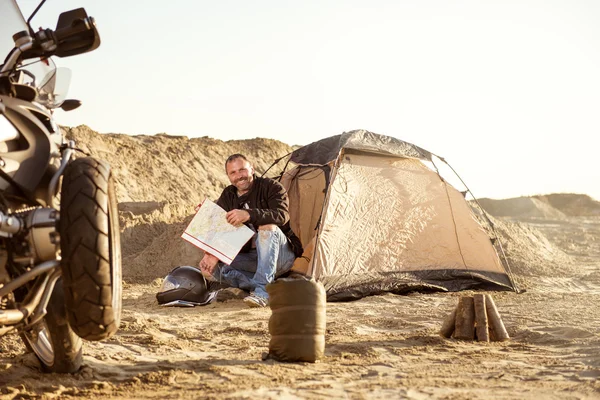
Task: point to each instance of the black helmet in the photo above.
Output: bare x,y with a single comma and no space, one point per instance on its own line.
183,283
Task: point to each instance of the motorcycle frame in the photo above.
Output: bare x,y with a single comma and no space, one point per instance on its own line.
39,189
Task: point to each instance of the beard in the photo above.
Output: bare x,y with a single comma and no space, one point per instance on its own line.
243,184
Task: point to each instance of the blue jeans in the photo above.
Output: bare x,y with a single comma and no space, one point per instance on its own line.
252,271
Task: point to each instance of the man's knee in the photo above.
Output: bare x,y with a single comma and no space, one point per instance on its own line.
267,234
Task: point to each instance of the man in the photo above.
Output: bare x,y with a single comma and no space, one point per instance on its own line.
262,205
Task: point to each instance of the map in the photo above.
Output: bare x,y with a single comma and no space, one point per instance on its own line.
210,231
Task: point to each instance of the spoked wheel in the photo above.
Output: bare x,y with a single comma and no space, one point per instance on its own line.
52,340
90,249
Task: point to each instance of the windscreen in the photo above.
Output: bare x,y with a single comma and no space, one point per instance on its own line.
12,22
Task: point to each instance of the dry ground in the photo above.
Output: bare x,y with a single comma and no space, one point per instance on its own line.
379,347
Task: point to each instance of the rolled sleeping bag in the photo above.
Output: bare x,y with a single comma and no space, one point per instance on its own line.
297,323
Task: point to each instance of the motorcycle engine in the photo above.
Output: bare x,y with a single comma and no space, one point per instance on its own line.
38,239
29,238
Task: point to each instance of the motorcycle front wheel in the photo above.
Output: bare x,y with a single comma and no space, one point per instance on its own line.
90,249
52,340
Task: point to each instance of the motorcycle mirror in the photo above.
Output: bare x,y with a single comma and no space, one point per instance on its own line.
70,104
33,15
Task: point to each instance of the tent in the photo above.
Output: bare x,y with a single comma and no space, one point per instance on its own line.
374,216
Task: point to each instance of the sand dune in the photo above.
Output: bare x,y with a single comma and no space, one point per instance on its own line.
551,206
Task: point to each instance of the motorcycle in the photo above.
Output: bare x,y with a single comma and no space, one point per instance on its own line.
60,251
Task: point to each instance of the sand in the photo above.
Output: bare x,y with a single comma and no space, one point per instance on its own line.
378,347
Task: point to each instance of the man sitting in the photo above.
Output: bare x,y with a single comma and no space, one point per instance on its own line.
262,205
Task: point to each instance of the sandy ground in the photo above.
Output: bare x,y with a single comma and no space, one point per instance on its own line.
378,347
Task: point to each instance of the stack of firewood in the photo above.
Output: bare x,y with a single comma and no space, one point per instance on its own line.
475,318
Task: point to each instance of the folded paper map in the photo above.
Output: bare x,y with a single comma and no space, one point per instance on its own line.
210,231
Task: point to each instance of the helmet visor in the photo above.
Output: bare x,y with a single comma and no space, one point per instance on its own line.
169,283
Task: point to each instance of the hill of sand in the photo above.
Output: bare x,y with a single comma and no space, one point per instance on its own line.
160,179
174,170
550,206
379,347
574,205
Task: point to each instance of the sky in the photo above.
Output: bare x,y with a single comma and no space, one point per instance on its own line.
508,92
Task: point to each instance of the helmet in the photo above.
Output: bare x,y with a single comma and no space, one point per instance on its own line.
183,283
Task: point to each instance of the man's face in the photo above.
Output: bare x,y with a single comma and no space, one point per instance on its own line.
240,174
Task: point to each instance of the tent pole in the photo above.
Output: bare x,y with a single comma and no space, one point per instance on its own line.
276,161
284,168
453,219
319,226
489,221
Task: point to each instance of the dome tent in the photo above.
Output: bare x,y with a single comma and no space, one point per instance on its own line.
374,217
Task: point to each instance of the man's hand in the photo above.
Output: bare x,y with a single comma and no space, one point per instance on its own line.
208,264
237,217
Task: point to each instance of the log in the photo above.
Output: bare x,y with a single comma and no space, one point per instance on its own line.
448,325
496,325
464,327
481,318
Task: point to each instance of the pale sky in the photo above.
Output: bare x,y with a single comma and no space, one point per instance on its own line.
508,92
